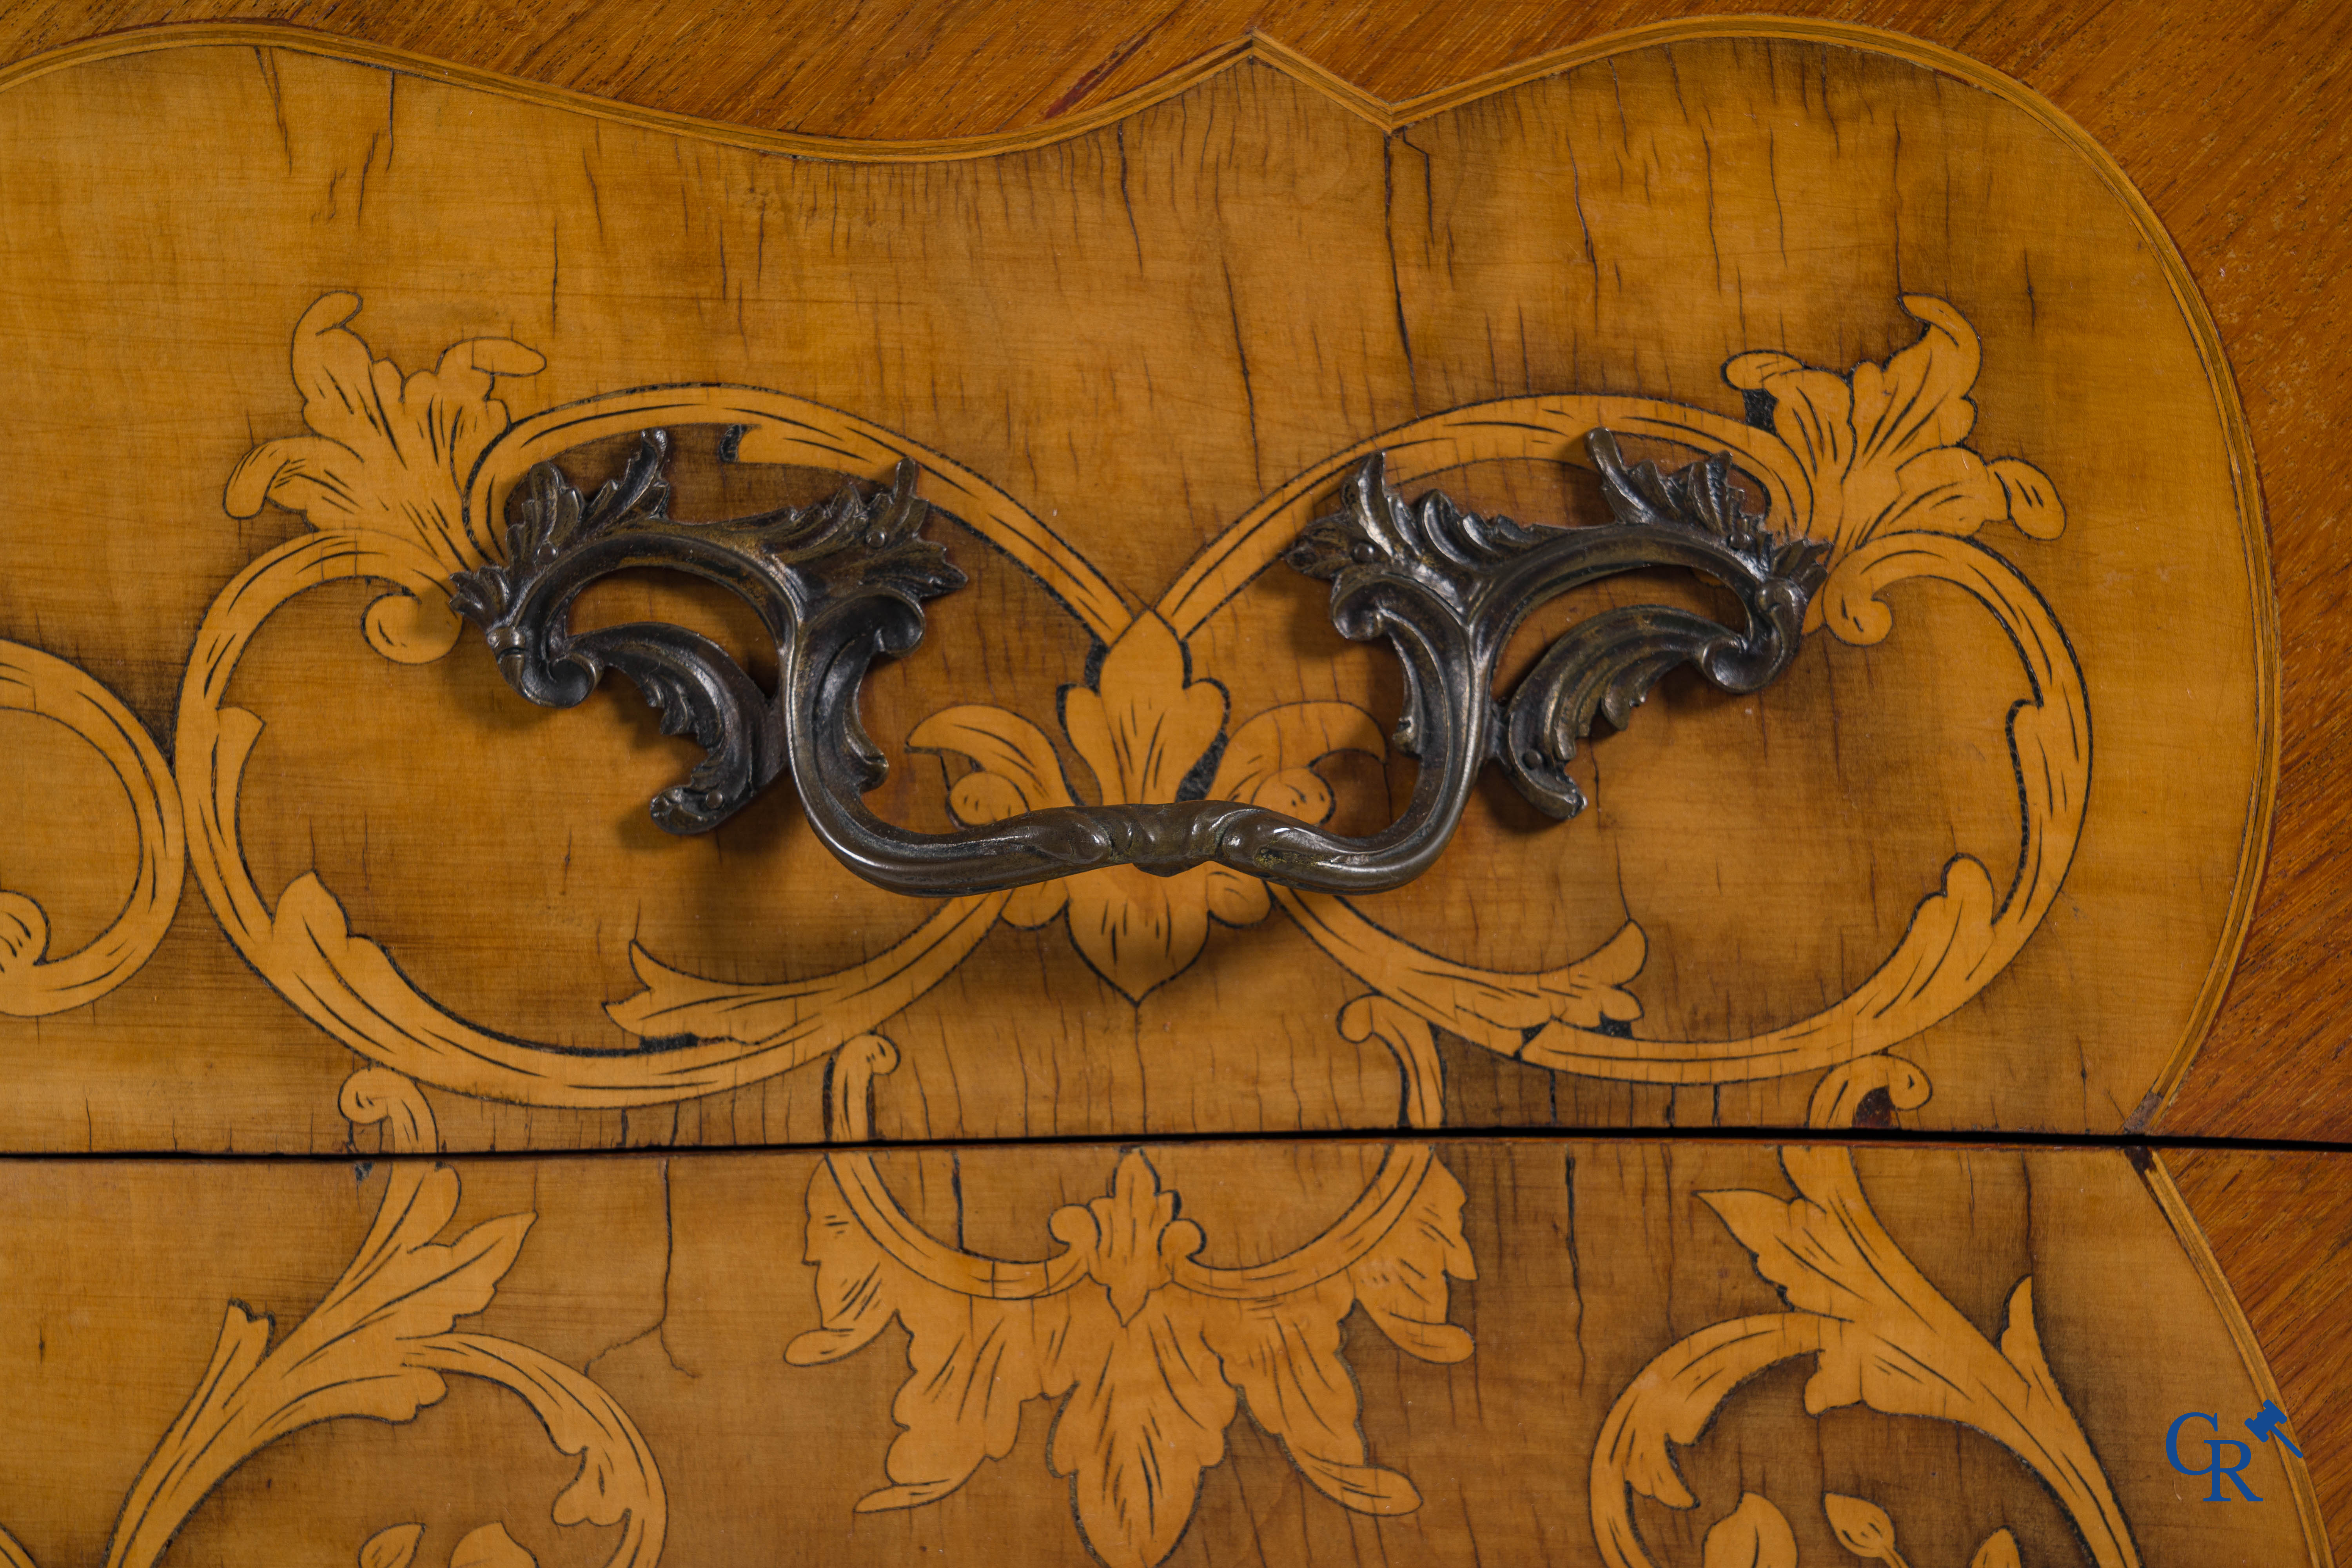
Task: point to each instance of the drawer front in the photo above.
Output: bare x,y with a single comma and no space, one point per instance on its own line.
1272,813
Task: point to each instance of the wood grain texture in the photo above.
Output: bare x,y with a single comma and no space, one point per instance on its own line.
1561,1352
2219,114
2280,1225
2212,112
1095,350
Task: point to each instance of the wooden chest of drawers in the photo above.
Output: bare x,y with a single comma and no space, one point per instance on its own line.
1026,785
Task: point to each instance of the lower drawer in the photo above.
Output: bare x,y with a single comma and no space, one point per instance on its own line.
1484,1351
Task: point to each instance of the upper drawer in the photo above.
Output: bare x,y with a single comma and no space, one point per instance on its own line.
289,336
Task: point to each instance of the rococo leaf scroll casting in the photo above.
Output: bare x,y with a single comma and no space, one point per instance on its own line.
838,585
402,477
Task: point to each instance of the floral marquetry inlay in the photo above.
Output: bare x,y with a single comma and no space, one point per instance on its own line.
1143,1350
1049,1207
387,453
1146,731
1147,1353
1879,1334
380,1346
1868,464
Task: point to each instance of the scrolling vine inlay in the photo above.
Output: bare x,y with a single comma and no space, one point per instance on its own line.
953,1307
1869,465
400,475
380,1346
399,478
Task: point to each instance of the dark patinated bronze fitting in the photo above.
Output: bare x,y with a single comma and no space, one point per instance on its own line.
838,585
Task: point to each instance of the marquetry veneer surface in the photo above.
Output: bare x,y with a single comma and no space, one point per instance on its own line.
1986,847
299,873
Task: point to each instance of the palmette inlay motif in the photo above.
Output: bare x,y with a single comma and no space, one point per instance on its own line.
1150,1354
1144,1360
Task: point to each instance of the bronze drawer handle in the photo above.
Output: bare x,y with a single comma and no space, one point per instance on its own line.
838,585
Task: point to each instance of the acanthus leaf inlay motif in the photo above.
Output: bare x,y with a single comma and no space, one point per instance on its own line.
1881,1335
1878,450
387,453
1148,1353
381,1345
1145,1350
